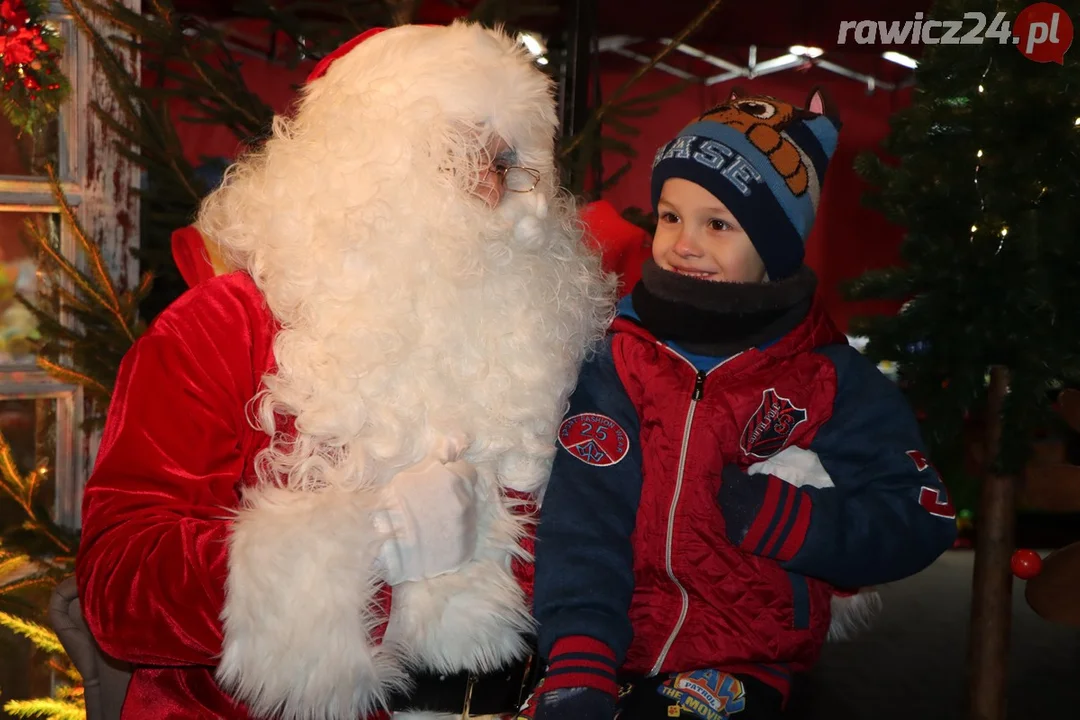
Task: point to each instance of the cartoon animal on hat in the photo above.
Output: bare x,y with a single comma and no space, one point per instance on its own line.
763,119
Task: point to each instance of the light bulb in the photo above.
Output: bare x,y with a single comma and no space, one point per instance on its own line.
974,228
531,43
981,89
1076,122
1004,231
978,154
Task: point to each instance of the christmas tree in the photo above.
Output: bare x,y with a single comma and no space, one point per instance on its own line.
986,181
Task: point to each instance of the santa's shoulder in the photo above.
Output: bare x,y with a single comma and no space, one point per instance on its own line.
223,310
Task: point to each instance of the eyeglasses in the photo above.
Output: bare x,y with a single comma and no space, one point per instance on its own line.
516,178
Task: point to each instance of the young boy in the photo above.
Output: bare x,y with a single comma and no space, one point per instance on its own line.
729,463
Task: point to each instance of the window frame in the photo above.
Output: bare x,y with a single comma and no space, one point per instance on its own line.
111,184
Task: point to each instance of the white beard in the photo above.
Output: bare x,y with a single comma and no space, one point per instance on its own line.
437,333
475,340
472,338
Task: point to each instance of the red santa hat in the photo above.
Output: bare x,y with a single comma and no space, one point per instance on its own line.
324,64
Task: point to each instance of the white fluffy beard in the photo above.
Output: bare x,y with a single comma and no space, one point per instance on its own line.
468,325
465,328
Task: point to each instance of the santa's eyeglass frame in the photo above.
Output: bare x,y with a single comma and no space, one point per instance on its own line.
517,178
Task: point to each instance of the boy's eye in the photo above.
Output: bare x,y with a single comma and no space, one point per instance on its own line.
669,217
718,225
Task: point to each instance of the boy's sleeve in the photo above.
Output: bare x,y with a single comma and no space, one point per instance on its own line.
584,557
888,514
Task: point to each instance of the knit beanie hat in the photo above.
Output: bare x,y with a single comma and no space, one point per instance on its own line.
765,160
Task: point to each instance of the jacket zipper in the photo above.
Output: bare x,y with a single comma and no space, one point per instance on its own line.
699,389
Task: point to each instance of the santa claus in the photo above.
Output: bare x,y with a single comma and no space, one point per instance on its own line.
312,496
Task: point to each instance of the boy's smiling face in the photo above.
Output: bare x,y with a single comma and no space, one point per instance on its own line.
699,237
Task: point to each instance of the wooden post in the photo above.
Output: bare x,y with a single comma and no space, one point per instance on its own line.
991,600
109,211
110,182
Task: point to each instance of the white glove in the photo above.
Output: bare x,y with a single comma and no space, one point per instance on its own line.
795,466
430,518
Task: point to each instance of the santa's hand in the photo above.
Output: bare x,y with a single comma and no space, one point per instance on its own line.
429,519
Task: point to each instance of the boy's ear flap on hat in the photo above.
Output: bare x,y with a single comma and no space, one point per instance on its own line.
821,103
736,93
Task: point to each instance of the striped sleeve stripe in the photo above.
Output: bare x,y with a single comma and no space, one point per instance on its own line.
791,539
781,525
762,527
580,661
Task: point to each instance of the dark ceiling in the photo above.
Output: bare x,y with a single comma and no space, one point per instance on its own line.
736,23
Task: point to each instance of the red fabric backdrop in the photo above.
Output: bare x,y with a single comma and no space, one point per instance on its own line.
847,239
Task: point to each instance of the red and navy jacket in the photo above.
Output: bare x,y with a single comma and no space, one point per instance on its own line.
657,552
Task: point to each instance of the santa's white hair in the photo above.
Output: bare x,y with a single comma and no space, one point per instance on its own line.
411,311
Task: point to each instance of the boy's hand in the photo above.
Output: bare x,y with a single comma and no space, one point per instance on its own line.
579,683
763,514
581,703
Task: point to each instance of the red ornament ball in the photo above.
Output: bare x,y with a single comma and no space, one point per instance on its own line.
1026,564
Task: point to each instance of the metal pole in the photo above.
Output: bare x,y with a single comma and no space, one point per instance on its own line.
576,71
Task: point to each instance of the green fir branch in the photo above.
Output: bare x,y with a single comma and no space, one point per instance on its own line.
42,637
46,709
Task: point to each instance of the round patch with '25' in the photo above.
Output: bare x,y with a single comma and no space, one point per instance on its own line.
594,439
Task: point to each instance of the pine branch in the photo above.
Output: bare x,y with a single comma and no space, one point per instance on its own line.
42,637
104,281
65,265
72,376
20,585
23,490
48,708
18,571
75,693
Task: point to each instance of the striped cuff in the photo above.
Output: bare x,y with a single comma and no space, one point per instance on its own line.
579,661
764,515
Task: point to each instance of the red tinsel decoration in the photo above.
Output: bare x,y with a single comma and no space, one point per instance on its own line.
29,53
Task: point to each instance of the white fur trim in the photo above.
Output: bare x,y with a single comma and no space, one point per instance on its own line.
298,612
475,618
852,614
796,466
